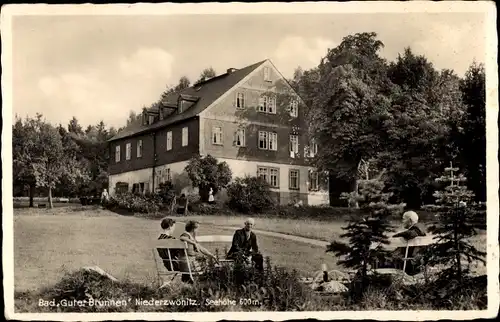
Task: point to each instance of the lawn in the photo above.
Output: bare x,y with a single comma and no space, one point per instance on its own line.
49,242
315,229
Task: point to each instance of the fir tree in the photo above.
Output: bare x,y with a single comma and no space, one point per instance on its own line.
367,232
458,221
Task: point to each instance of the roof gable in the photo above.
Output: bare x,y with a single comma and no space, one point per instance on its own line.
202,94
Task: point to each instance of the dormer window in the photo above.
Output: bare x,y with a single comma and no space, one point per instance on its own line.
182,105
151,119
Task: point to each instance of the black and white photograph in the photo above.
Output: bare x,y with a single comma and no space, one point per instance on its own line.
198,162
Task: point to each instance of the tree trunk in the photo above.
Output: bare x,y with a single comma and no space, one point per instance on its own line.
50,198
32,194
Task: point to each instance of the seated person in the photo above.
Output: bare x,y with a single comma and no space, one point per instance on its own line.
167,226
245,244
410,220
193,251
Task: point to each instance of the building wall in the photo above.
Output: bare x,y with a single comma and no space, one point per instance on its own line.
242,168
177,173
130,177
178,152
135,163
225,114
159,140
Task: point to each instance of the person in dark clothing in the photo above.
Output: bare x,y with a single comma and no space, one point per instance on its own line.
168,225
245,244
410,220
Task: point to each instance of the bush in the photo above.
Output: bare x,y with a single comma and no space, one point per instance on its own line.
146,204
250,195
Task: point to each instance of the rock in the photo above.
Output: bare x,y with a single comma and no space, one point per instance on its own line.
99,271
333,287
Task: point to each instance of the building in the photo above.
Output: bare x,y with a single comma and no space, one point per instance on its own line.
249,117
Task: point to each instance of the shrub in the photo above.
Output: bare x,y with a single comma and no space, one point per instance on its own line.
250,195
146,204
206,172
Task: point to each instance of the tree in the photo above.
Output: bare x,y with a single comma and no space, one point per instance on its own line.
206,74
473,139
75,127
424,121
458,222
134,118
367,232
206,172
23,139
47,157
349,105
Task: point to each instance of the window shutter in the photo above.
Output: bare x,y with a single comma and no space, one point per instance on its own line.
235,98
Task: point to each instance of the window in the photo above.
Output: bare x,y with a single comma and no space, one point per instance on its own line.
263,173
273,141
181,106
272,105
263,103
128,151
151,119
240,137
169,140
268,140
184,136
165,175
139,148
313,149
217,135
267,104
313,181
267,74
294,145
240,100
263,140
117,153
274,177
294,108
270,175
294,179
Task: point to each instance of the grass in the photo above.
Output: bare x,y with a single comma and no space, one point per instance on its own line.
321,230
49,243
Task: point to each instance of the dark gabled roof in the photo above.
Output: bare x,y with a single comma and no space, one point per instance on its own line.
204,94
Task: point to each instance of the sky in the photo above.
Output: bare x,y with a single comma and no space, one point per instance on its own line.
102,67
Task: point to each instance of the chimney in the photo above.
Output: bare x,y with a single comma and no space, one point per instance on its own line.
230,70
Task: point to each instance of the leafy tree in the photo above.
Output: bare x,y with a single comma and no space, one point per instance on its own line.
367,232
23,140
206,74
473,140
349,105
206,172
424,120
134,118
458,222
74,127
48,158
250,195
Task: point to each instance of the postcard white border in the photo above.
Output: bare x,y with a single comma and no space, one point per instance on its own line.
8,11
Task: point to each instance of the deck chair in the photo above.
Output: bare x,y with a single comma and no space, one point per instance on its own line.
166,255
